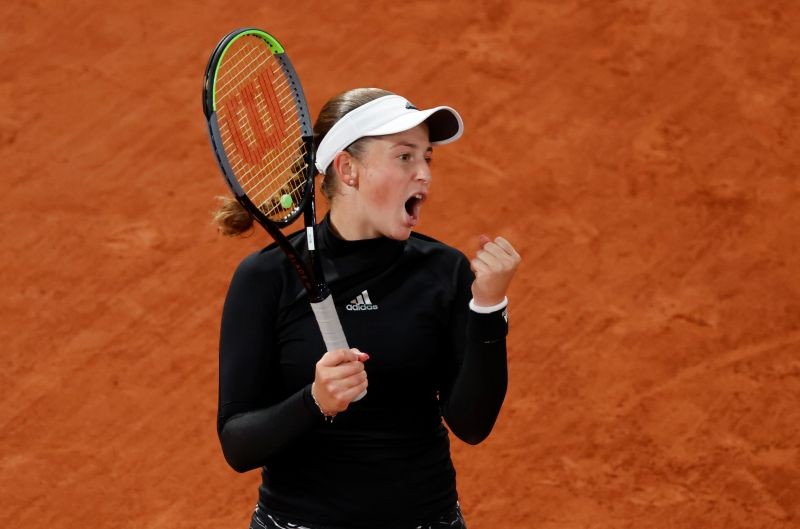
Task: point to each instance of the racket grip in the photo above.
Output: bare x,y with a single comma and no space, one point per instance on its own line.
331,327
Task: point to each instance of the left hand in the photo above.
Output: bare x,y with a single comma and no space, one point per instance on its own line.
494,265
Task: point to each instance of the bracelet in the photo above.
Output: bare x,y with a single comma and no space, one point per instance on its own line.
327,417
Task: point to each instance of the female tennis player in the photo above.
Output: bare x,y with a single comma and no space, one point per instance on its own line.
427,325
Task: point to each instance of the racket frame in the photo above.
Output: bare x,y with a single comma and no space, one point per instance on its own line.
310,273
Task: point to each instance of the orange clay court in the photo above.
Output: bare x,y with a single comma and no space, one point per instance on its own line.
642,155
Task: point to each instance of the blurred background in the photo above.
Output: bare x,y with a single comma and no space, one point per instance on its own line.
641,154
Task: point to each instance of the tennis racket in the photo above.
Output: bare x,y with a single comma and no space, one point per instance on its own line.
262,138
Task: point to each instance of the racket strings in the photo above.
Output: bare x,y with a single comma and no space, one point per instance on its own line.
257,179
272,205
260,128
272,166
293,130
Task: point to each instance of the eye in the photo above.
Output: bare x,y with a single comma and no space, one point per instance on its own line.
405,156
428,160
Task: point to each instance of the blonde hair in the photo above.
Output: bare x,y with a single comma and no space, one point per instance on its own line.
231,218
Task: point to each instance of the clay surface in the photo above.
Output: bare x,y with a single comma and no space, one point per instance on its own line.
642,155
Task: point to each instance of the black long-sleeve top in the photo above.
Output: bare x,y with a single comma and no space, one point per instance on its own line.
385,461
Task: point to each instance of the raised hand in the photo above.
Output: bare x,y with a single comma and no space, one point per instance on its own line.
494,265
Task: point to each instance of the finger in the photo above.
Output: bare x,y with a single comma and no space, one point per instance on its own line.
491,260
482,240
503,251
341,371
338,356
354,391
495,250
479,267
338,387
500,259
507,246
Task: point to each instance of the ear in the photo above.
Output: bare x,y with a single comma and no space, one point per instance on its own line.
346,168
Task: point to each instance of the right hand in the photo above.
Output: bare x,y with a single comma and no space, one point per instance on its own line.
339,378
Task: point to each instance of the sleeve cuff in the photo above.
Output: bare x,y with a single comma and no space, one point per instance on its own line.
308,400
490,326
487,310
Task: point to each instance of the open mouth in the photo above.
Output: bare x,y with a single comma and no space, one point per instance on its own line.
413,206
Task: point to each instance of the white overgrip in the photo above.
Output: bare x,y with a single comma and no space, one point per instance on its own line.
331,327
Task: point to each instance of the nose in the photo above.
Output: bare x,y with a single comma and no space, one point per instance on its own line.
424,174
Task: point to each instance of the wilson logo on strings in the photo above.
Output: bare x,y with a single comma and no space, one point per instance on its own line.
256,106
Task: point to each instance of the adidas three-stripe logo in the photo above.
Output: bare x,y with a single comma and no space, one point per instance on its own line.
361,302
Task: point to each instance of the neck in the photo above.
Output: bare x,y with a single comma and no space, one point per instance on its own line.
345,222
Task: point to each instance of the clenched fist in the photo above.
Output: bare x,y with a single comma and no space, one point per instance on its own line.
494,265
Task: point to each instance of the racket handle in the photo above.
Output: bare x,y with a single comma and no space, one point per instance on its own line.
331,328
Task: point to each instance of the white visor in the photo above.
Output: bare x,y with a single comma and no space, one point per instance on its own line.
387,115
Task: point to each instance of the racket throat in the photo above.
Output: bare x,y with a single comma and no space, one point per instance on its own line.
320,294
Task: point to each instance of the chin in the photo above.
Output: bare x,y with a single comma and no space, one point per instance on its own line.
398,234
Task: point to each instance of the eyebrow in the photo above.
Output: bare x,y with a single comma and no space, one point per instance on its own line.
412,145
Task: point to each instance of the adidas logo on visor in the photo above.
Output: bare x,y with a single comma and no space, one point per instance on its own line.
361,302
